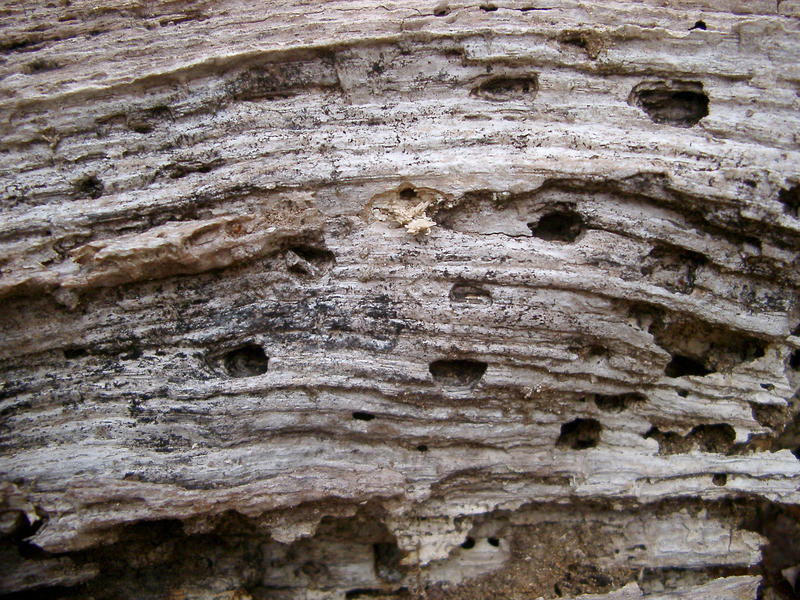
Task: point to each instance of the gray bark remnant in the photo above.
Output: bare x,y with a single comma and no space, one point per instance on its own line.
399,299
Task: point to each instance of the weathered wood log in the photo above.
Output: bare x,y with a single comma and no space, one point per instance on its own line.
400,299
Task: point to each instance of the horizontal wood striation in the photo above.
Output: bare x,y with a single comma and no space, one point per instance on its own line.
318,294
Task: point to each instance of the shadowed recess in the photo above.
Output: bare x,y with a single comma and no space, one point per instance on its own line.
790,199
716,438
580,434
309,260
313,254
508,87
559,226
468,293
698,348
246,361
679,103
681,366
387,557
619,402
280,80
88,185
457,372
71,353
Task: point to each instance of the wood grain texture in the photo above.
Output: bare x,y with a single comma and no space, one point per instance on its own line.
399,299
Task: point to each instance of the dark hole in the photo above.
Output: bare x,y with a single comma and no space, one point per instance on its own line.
684,108
493,541
719,479
179,170
457,372
23,528
408,193
488,7
717,438
468,543
75,352
768,386
363,416
747,349
683,393
468,293
246,361
441,11
308,260
794,360
131,353
573,39
600,579
669,442
681,366
387,561
145,120
89,185
580,434
682,104
617,403
597,351
508,88
699,348
422,448
790,199
142,126
31,551
313,254
363,593
698,25
562,226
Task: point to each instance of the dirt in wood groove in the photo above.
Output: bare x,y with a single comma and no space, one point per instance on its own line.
551,560
554,555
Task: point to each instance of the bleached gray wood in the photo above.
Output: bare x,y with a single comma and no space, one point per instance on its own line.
361,190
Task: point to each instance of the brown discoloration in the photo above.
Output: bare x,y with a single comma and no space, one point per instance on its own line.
179,248
589,41
409,206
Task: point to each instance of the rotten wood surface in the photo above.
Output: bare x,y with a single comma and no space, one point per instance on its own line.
399,299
